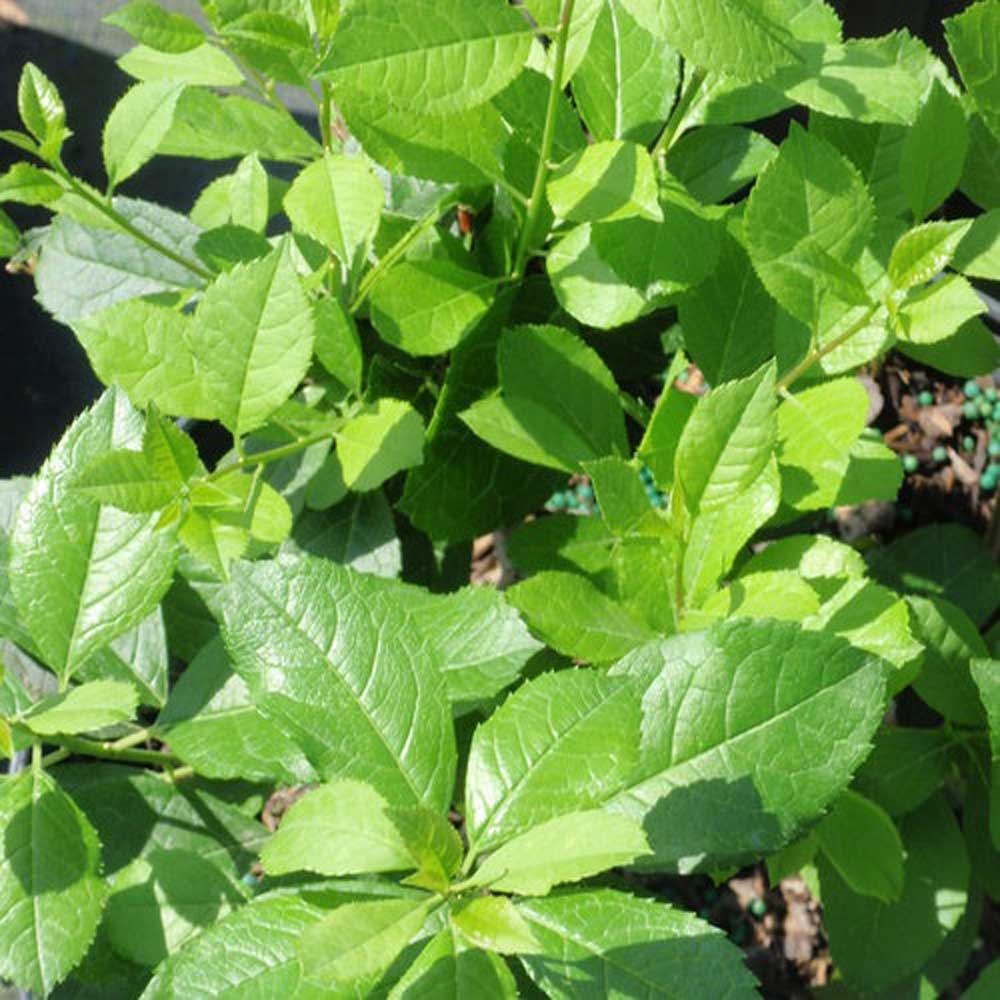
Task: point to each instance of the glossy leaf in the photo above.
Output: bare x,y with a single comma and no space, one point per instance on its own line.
925,251
378,443
935,313
971,39
448,968
162,30
493,923
82,709
205,65
136,126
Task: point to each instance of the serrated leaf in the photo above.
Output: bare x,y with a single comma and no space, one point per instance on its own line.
149,23
171,454
584,421
810,556
253,339
978,255
607,180
358,659
212,541
432,845
41,109
211,723
338,201
126,480
26,184
206,66
51,892
599,943
493,923
776,749
340,828
935,313
562,542
970,351
808,217
426,307
160,900
136,126
278,45
432,56
349,950
716,161
565,849
337,345
82,573
523,771
82,709
447,968
581,27
378,443
972,41
863,844
663,433
925,251
986,675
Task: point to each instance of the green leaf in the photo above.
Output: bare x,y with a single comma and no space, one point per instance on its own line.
252,950
934,313
337,344
625,83
971,350
779,594
600,943
211,723
447,968
426,307
986,985
162,899
925,251
206,66
810,556
276,44
741,38
972,41
10,236
494,924
349,950
82,709
905,768
562,542
726,778
83,573
136,126
933,152
432,56
253,339
716,161
978,255
581,27
607,180
571,615
212,540
522,772
816,430
149,23
941,560
126,480
560,430
51,892
986,675
979,180
338,201
42,110
171,454
345,650
875,944
619,493
727,443
340,828
380,442
950,639
861,842
565,849
26,184
808,218
672,412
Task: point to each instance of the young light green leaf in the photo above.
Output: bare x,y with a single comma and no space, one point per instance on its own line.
810,556
380,442
808,218
213,540
164,898
493,923
584,421
625,83
581,27
780,594
932,314
149,23
344,649
337,344
565,849
136,126
171,454
337,200
575,618
978,255
61,537
972,39
716,161
521,774
673,409
448,968
599,943
51,891
426,307
863,844
279,45
212,724
349,950
253,339
42,110
83,709
126,480
933,153
777,749
26,184
925,251
619,493
205,66
432,56
608,180
340,828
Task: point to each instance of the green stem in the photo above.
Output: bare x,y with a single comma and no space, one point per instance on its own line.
132,740
272,455
548,136
119,220
818,353
107,751
688,94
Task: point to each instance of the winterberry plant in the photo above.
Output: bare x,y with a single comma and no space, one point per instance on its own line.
479,283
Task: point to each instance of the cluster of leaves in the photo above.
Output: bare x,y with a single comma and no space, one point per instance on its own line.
414,329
